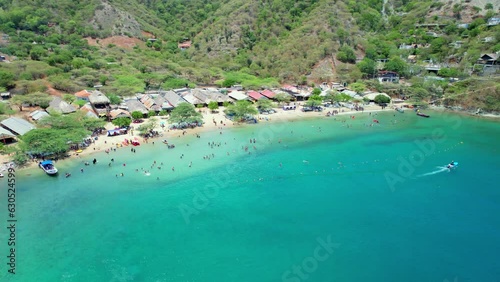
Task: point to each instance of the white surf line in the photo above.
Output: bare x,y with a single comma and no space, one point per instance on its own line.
441,169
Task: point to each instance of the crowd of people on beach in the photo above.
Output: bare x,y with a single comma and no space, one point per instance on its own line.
218,144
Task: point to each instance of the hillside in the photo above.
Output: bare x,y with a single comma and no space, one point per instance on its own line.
131,45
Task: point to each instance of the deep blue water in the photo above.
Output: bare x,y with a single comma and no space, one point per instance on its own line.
313,201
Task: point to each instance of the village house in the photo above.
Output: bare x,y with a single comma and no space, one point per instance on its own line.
5,95
184,45
268,93
490,63
200,95
60,106
255,96
191,99
493,21
83,95
119,113
163,103
149,102
238,95
489,59
89,111
172,98
134,105
38,115
388,76
6,137
16,125
100,103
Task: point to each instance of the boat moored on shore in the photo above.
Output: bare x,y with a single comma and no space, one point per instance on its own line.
48,167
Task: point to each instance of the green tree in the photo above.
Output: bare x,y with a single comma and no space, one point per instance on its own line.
213,106
316,91
18,100
282,98
5,109
51,140
145,128
449,72
7,79
68,98
418,94
151,113
314,101
114,99
382,99
241,110
37,53
358,87
330,96
185,112
346,54
398,65
264,104
137,115
80,103
228,82
90,123
342,97
367,66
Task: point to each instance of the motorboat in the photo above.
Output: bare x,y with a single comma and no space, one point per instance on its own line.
423,115
400,110
452,165
48,167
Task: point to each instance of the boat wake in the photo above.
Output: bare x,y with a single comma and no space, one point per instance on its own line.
439,169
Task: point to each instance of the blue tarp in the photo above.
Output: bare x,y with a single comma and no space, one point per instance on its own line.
46,162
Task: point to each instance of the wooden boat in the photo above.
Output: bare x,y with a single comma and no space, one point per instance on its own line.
423,115
48,167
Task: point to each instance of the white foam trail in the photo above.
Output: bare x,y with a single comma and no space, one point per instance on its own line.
440,169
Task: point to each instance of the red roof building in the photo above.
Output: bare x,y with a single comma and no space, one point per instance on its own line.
254,95
268,93
83,95
184,45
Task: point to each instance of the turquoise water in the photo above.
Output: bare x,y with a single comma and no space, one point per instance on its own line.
342,206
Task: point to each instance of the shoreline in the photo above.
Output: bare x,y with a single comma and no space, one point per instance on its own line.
101,144
465,112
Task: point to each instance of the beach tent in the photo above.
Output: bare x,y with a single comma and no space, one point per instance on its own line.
116,131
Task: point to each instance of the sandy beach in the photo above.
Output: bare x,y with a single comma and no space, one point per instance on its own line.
104,142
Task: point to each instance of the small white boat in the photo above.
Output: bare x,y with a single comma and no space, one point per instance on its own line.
48,167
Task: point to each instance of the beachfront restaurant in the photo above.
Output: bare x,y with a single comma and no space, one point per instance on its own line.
99,102
255,96
16,125
238,96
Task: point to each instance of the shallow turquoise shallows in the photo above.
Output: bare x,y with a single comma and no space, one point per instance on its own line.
323,199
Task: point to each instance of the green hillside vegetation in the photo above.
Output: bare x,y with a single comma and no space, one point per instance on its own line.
253,43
